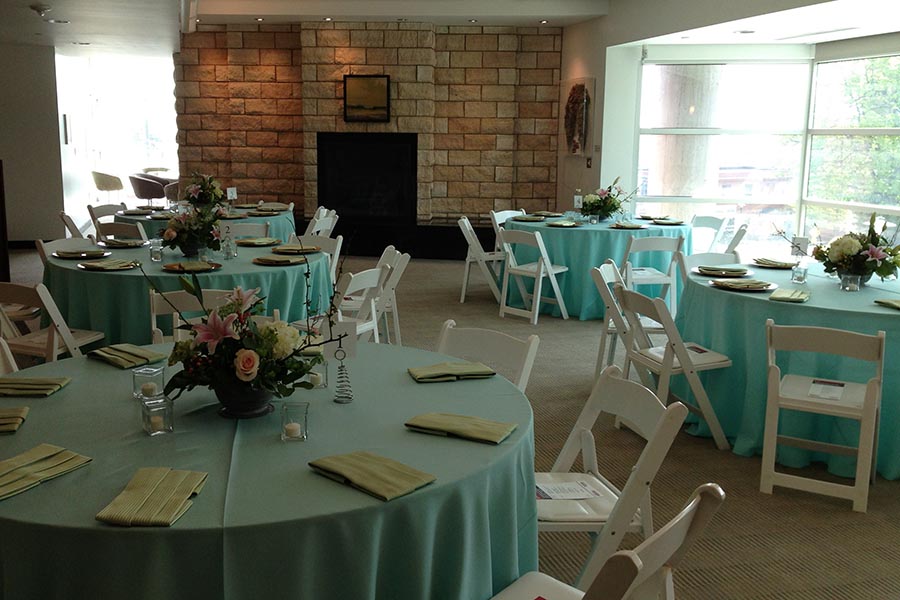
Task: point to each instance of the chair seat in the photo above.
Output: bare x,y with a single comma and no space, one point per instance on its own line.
530,269
703,358
795,392
642,275
533,585
35,344
590,510
490,256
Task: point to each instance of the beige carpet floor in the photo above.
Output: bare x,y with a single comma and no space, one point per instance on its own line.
790,545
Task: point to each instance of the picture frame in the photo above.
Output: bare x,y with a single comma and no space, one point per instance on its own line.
577,96
367,98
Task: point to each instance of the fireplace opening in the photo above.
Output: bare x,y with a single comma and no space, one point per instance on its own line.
368,176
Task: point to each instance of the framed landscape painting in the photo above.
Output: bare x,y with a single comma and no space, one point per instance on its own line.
367,98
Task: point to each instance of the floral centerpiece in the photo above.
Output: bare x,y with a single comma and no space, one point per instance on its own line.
861,254
199,226
605,202
244,363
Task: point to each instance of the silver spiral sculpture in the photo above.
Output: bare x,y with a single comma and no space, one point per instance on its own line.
343,393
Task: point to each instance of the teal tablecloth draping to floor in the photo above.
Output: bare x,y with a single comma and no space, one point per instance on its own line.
265,525
734,323
281,225
581,249
118,302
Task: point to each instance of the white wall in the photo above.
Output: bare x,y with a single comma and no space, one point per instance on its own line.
29,142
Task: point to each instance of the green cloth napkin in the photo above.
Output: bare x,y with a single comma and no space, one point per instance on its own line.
450,371
191,266
24,471
12,418
888,303
155,496
463,426
259,241
563,224
741,284
279,261
108,264
528,218
774,264
381,477
783,295
80,253
119,243
626,225
296,249
31,386
126,356
717,269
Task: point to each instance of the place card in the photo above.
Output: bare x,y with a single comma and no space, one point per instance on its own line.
567,490
826,390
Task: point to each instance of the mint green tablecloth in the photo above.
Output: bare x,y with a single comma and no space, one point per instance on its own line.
734,323
118,303
265,525
281,225
582,248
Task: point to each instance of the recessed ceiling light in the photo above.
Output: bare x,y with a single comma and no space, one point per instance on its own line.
327,19
544,21
473,20
259,19
402,20
81,43
744,31
56,21
196,20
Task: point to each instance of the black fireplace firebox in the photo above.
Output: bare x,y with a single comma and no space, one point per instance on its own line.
368,176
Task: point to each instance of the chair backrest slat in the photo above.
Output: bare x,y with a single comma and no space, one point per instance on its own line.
508,355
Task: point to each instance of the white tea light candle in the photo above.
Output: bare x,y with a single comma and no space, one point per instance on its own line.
157,423
148,389
315,379
293,430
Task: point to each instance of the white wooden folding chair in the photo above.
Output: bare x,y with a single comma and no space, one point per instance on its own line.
711,228
605,277
856,400
511,357
322,223
71,227
605,511
644,573
738,236
56,338
498,218
635,276
484,260
330,246
686,263
101,211
244,230
185,303
537,270
7,361
675,357
366,284
121,231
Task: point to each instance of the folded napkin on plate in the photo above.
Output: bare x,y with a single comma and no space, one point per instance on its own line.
775,264
626,225
155,496
122,243
80,253
190,266
259,241
783,295
652,218
108,264
264,212
245,205
26,470
381,477
137,211
721,269
470,428
279,261
450,371
547,213
890,303
162,216
296,249
563,223
668,221
126,356
31,386
528,218
741,284
12,418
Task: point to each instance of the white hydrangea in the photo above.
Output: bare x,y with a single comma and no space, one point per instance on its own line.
842,247
287,338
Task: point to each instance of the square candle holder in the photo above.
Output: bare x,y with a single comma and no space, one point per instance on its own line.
294,421
148,382
318,376
157,415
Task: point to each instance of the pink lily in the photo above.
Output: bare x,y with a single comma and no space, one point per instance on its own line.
603,193
246,299
216,234
215,330
875,253
193,190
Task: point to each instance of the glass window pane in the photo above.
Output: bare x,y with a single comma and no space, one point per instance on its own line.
824,223
729,96
858,93
761,168
855,169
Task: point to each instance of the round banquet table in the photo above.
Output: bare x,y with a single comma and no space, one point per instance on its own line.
587,246
118,302
281,225
265,525
734,323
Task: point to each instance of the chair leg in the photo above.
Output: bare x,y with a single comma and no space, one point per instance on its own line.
770,441
465,283
395,317
523,292
601,352
706,408
863,464
559,297
504,293
536,299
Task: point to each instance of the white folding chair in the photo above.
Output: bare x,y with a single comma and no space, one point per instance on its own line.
738,236
536,270
386,309
322,223
605,277
52,341
102,211
71,227
244,230
178,303
605,511
7,361
498,218
366,284
635,276
644,573
711,228
330,246
676,357
686,263
484,260
856,400
511,357
120,231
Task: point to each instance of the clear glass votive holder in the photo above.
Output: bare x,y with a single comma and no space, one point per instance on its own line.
850,283
148,382
156,250
592,219
318,376
157,415
798,274
294,421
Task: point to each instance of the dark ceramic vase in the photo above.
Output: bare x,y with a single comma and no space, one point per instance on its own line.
240,401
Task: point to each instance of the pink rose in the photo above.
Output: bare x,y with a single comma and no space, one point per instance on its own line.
246,364
170,234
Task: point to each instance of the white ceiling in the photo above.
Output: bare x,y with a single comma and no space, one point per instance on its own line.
152,26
